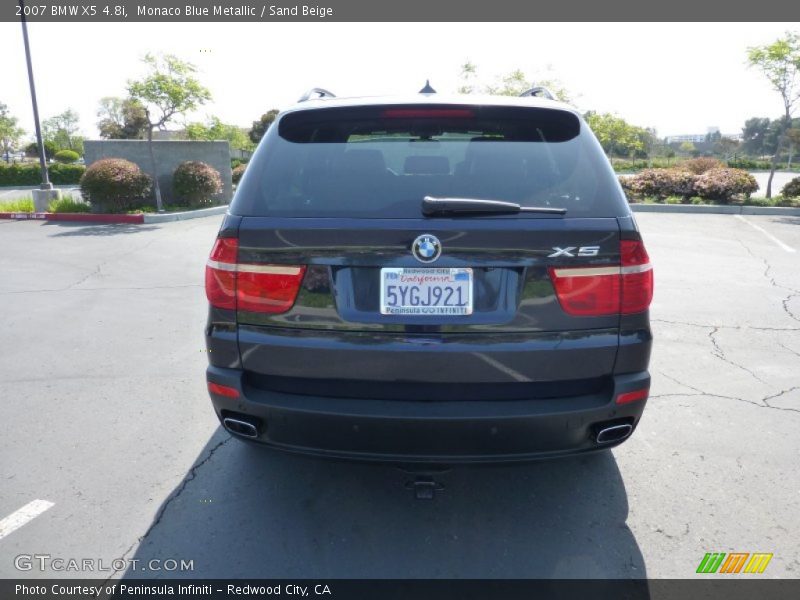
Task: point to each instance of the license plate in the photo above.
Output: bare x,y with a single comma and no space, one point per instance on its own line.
423,291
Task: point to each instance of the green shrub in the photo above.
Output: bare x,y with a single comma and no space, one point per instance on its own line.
115,185
235,162
697,200
22,205
17,174
66,156
237,173
785,201
196,182
66,174
659,183
700,165
751,164
30,174
723,185
792,188
68,204
674,200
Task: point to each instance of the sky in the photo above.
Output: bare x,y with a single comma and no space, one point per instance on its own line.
676,77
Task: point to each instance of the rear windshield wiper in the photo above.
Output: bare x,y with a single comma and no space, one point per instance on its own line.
472,206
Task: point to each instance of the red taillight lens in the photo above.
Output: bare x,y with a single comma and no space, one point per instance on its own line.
268,288
597,291
221,274
590,291
627,397
250,287
637,277
223,390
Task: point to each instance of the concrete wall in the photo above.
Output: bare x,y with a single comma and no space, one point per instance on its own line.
169,154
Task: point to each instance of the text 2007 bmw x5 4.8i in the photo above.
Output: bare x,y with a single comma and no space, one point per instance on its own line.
427,279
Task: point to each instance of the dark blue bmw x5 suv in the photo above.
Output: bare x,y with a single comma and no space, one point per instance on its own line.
429,280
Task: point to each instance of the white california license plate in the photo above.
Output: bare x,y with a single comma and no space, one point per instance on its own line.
426,291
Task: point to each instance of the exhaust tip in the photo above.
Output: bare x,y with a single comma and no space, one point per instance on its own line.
239,427
615,433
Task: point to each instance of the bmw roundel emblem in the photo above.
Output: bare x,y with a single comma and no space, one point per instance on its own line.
426,248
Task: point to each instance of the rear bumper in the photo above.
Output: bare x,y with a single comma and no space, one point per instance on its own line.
424,431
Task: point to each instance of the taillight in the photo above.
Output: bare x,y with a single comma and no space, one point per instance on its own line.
267,288
597,291
221,273
249,287
637,277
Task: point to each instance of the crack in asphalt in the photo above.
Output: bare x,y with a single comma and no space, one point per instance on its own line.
94,272
785,347
190,476
769,277
788,310
717,326
672,537
763,403
720,354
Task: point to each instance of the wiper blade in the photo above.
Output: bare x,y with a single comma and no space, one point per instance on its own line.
473,206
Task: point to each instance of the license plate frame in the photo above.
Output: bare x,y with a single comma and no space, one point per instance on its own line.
426,280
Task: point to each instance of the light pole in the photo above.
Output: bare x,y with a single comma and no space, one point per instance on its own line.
42,196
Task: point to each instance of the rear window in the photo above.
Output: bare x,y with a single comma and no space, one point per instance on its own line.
381,161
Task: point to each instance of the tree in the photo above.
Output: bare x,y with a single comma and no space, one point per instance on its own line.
168,90
215,129
618,137
122,119
754,133
779,62
32,149
726,147
793,139
687,147
260,127
468,77
10,131
512,83
62,130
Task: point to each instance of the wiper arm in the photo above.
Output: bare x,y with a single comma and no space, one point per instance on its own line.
472,206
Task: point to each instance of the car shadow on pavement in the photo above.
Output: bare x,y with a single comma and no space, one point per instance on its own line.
81,229
245,511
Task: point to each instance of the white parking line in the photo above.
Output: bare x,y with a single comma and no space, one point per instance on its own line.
766,233
22,516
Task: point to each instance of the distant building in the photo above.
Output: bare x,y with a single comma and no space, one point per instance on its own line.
696,138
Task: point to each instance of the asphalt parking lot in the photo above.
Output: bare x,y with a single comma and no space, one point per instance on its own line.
105,414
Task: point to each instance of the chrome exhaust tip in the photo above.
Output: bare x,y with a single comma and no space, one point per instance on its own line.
239,427
616,433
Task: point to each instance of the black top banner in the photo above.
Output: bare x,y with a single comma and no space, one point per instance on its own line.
141,11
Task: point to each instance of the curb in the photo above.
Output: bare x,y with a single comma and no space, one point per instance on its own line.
717,210
111,219
183,216
75,217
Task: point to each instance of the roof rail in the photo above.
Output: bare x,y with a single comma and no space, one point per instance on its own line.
539,92
319,92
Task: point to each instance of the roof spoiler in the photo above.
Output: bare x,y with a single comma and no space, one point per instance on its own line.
539,92
318,92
